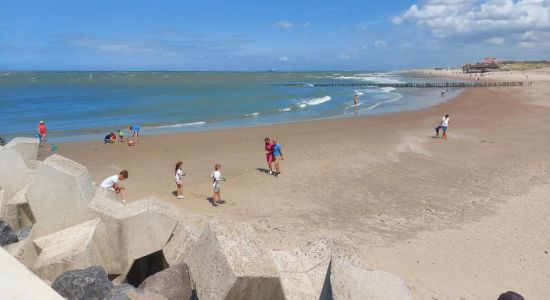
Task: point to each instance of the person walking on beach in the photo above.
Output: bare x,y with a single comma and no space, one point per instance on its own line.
179,179
135,128
444,126
277,157
216,178
112,182
269,154
42,131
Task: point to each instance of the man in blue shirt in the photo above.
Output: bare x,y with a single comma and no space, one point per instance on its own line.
277,157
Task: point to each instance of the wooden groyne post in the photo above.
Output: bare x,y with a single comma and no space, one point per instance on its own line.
459,84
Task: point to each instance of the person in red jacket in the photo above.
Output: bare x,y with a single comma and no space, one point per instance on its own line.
42,131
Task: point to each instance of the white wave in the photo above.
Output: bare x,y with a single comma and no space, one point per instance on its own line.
369,78
252,115
316,101
387,89
375,105
178,125
285,109
302,105
309,84
358,93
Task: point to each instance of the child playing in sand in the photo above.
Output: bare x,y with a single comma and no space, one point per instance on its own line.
216,178
112,184
179,179
135,128
277,157
110,138
120,135
269,154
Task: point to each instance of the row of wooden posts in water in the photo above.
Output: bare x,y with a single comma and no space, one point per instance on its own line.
463,84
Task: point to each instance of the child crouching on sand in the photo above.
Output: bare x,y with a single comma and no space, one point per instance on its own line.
112,182
179,179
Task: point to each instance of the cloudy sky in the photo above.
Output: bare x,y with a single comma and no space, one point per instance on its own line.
256,35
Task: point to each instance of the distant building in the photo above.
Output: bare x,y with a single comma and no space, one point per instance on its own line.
480,68
491,60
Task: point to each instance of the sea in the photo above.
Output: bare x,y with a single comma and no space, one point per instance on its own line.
89,105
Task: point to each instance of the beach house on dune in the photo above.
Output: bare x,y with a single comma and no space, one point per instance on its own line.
480,68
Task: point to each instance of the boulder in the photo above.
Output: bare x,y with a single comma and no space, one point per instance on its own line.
351,282
91,283
173,283
128,292
7,234
228,262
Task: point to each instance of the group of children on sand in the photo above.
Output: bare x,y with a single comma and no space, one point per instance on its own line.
274,156
119,135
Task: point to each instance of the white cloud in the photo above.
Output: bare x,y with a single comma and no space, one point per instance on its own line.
284,24
286,58
307,24
496,40
380,44
465,19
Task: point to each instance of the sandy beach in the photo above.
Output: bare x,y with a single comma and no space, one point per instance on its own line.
463,218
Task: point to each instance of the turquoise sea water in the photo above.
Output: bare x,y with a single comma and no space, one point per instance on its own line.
85,105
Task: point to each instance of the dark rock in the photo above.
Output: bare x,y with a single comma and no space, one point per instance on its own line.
173,283
128,292
91,283
7,234
23,233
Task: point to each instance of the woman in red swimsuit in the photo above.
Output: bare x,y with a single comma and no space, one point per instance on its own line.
269,154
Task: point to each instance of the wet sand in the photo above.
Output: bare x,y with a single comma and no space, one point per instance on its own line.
464,217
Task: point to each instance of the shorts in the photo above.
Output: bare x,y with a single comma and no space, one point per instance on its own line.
269,158
277,158
179,182
444,128
216,189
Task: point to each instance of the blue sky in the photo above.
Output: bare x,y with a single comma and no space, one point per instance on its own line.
261,35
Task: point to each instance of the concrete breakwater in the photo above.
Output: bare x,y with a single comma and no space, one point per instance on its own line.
461,84
73,225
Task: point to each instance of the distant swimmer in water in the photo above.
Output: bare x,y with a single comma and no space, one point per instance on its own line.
356,99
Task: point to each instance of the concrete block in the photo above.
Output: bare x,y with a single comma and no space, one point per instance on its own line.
20,283
15,174
228,262
180,243
26,147
303,271
16,211
59,195
351,282
68,249
133,230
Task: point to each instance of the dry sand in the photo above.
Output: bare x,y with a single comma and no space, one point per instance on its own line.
465,218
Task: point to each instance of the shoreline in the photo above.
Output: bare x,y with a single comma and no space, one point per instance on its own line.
408,200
